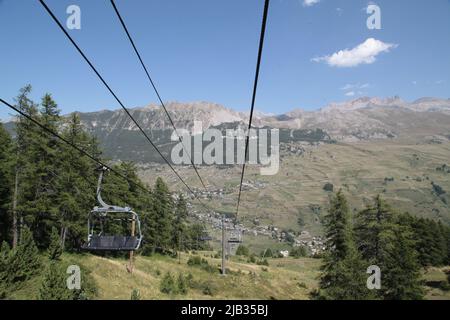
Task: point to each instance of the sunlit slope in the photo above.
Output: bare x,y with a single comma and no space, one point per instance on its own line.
402,171
283,279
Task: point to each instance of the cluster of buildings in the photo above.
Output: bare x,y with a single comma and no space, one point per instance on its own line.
314,244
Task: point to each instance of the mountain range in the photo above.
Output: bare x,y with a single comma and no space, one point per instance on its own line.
365,118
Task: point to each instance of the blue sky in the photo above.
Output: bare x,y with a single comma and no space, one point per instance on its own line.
206,50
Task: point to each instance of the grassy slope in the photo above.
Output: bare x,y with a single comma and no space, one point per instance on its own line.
280,282
285,278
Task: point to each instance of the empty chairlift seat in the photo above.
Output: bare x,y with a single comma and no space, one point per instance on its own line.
98,239
235,237
112,243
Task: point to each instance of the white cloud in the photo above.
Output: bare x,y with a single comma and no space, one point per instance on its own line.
310,3
350,94
351,86
364,53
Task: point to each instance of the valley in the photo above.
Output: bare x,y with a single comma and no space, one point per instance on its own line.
402,172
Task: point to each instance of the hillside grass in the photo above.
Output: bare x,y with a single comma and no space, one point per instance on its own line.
243,281
284,278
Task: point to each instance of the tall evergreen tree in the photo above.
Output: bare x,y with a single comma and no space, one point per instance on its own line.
76,184
25,138
194,234
343,272
431,243
399,267
159,220
40,208
6,174
180,230
385,239
370,222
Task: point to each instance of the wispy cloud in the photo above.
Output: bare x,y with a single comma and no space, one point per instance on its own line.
310,3
355,89
350,86
364,53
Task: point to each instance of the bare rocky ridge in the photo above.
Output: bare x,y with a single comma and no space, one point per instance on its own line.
359,119
362,119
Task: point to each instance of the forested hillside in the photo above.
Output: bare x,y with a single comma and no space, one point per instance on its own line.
48,188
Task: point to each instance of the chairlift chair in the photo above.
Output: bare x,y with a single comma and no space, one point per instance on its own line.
235,237
205,237
98,240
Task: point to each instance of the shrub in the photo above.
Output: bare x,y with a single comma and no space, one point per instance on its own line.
209,288
195,261
55,249
242,251
437,189
167,285
298,252
201,262
329,187
25,260
135,294
263,262
182,284
252,259
53,285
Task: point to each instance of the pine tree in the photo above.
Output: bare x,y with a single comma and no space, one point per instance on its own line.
195,232
5,259
36,168
25,261
400,267
159,219
54,286
179,234
6,174
41,206
431,243
55,248
369,224
25,137
343,273
386,240
167,285
76,184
